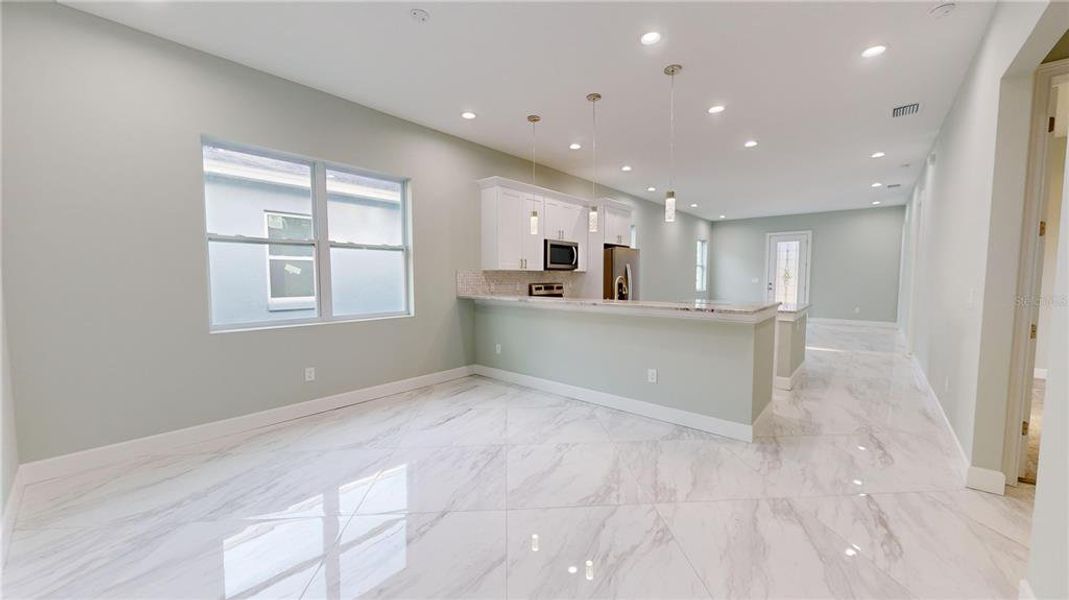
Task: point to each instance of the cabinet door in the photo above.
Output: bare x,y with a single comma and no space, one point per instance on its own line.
510,219
578,226
532,233
557,216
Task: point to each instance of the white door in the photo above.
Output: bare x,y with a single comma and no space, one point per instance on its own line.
787,267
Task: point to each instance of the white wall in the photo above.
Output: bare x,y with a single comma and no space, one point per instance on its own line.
854,268
104,188
969,225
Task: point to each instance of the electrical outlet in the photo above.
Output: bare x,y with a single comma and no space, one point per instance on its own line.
755,280
309,373
651,375
497,349
857,310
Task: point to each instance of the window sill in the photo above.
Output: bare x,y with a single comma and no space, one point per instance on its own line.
309,323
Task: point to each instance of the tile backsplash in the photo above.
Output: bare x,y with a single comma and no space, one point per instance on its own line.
513,283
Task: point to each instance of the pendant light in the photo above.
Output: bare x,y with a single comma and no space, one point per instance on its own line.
592,217
533,120
670,195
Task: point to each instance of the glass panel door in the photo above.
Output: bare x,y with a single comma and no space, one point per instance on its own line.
788,267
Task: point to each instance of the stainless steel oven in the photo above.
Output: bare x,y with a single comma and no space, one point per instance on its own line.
561,255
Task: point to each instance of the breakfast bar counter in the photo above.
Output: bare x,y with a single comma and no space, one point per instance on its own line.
704,365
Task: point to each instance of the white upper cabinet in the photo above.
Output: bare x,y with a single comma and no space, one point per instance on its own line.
517,217
512,225
617,226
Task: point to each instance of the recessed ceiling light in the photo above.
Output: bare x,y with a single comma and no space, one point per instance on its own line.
750,144
877,155
942,10
694,206
467,115
719,108
875,202
873,51
625,168
651,189
723,216
877,184
650,38
574,146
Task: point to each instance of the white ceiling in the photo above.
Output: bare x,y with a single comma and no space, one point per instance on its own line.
790,74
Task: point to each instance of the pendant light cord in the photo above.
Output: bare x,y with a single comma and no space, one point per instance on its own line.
671,129
594,150
534,153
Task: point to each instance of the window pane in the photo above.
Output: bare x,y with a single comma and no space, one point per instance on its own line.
786,284
367,282
364,210
248,286
240,187
282,226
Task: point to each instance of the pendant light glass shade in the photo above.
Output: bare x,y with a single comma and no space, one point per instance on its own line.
534,222
669,207
592,220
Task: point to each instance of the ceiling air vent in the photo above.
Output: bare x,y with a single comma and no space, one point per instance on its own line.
905,110
892,186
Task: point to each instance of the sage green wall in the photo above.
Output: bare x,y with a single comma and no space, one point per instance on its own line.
104,210
790,346
703,367
855,260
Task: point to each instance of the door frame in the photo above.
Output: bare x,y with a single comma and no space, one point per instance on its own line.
808,235
1029,270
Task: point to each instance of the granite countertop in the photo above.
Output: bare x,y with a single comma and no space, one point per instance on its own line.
696,309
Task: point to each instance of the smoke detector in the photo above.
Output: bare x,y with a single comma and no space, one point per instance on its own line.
419,15
942,10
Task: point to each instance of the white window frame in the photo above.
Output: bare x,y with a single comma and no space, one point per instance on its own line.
701,265
324,301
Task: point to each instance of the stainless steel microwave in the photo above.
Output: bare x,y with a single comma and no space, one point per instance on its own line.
561,256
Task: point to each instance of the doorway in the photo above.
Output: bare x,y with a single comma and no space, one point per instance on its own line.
1046,200
787,260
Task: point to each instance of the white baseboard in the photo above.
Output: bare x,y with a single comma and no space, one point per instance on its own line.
729,429
825,321
10,509
986,480
1040,374
963,465
1024,591
95,457
787,383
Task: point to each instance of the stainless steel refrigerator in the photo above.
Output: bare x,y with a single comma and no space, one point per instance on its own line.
621,273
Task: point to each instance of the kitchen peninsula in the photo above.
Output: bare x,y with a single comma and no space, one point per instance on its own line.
705,365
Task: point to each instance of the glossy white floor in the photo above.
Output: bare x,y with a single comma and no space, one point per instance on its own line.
478,489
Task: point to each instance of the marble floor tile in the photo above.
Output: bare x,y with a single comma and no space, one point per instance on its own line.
457,426
223,559
851,489
626,427
557,425
766,549
596,552
171,489
1010,515
435,479
930,548
416,556
570,475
